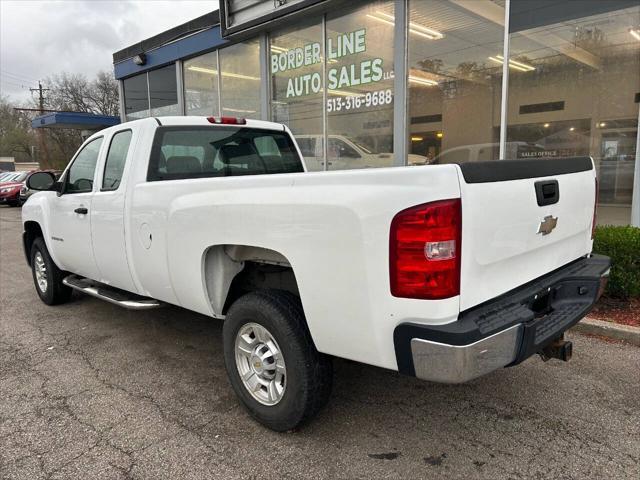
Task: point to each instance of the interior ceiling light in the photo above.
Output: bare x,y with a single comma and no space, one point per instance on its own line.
344,93
635,33
414,28
276,48
523,67
422,81
439,134
224,74
416,139
546,125
238,110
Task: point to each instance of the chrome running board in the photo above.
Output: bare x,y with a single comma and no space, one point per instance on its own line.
110,294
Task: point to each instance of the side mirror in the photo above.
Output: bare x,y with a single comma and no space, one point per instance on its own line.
41,181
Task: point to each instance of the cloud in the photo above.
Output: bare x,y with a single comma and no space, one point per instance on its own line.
42,38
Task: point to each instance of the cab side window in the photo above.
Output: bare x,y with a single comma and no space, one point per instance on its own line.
116,158
80,175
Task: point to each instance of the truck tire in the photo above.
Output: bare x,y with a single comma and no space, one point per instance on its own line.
272,363
47,277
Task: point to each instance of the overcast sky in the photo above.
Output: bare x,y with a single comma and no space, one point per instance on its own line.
40,38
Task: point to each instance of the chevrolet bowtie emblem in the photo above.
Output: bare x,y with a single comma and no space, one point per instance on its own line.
547,225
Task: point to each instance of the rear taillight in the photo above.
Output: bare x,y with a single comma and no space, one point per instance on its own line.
424,251
227,120
595,210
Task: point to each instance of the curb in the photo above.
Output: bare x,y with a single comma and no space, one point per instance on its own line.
610,330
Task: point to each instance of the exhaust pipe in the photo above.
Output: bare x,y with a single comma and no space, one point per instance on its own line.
559,348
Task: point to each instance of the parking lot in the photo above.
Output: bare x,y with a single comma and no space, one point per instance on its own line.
88,390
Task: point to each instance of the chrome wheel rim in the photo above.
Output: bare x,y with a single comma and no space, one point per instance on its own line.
260,364
41,272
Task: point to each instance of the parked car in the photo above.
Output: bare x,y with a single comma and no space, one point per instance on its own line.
345,153
6,177
10,188
26,192
443,272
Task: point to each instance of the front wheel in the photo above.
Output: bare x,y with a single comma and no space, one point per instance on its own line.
47,277
272,363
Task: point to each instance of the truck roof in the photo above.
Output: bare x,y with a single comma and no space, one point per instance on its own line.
202,120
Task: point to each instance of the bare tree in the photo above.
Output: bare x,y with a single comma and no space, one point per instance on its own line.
73,92
104,94
16,136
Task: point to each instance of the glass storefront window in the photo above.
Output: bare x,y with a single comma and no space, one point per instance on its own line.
360,70
201,85
454,86
295,62
163,91
136,98
240,80
574,75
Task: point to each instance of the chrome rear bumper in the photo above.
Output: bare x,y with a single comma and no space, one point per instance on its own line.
504,331
439,362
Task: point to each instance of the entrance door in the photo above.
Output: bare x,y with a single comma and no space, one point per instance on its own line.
70,224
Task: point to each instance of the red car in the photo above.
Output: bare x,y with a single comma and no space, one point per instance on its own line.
10,186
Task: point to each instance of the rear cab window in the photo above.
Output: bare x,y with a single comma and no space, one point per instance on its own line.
182,152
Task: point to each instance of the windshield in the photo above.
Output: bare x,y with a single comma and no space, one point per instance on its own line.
11,177
363,147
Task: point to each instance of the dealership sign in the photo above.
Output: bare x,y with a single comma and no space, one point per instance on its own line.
345,45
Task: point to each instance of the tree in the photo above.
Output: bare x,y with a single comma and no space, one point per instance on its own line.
65,92
73,92
16,135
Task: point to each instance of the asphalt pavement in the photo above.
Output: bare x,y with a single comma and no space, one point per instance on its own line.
90,391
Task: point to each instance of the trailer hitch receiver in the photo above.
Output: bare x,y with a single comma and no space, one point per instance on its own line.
559,348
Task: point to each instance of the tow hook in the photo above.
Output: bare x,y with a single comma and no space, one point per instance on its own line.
559,348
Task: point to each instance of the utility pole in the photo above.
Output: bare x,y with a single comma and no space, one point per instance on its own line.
40,91
43,144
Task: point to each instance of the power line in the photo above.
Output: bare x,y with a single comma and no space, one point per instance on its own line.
21,85
18,76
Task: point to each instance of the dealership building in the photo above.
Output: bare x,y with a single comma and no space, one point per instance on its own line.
389,83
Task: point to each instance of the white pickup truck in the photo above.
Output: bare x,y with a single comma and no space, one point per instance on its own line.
444,272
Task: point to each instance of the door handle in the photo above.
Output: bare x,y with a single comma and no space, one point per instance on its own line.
547,192
81,210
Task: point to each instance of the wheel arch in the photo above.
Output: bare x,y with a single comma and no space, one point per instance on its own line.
230,270
32,230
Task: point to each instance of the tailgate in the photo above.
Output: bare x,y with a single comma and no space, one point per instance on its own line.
522,219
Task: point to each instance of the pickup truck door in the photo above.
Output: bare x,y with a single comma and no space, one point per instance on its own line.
69,224
107,212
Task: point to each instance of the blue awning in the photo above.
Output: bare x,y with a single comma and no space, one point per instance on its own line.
75,121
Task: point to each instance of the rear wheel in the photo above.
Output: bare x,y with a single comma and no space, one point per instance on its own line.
271,361
47,277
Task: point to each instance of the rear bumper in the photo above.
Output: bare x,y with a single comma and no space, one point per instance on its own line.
504,331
